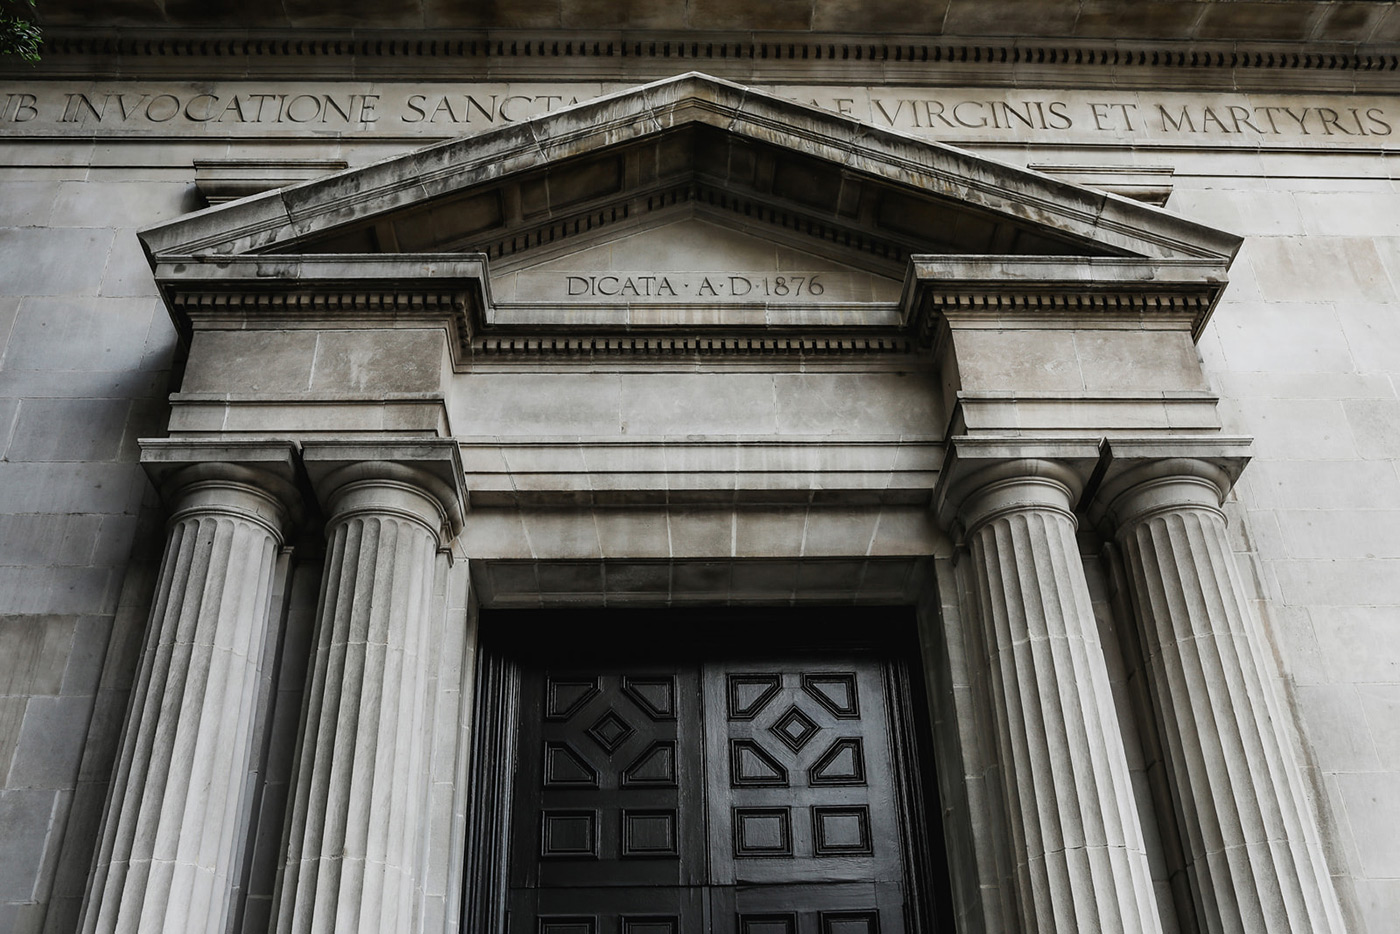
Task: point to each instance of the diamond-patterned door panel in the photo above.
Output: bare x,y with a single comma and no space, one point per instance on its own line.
656,696
794,728
713,798
610,732
748,694
842,764
564,696
836,692
655,767
565,767
800,744
750,765
604,804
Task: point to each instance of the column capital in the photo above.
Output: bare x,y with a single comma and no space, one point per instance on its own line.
983,477
1143,476
427,471
255,479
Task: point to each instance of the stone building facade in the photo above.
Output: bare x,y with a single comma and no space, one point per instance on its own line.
794,467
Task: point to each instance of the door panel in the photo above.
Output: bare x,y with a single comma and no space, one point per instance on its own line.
609,818
845,908
803,812
691,795
643,910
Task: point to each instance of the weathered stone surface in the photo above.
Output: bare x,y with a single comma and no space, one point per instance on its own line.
80,361
39,261
50,742
26,816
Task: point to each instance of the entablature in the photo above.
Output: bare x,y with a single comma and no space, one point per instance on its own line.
1015,301
337,291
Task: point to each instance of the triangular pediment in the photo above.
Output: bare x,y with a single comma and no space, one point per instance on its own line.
696,139
681,178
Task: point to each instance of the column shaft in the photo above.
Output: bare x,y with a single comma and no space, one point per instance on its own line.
1080,860
356,838
171,837
1253,855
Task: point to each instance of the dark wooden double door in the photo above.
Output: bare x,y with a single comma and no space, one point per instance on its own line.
730,794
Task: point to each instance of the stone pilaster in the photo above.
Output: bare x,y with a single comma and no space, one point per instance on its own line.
172,835
356,837
1077,847
1253,854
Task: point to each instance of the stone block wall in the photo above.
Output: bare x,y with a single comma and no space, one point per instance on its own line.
87,350
1305,353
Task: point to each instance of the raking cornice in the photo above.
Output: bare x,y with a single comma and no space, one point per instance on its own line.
278,221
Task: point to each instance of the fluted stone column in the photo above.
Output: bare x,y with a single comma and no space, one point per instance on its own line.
168,857
1078,850
1254,857
356,837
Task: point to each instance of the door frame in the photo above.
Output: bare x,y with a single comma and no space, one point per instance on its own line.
504,635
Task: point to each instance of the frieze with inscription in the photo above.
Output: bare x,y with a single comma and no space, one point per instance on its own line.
686,287
435,111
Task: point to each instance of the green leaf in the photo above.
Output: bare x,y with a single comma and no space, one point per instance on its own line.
20,37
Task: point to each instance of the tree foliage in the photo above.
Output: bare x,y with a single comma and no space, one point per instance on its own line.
19,34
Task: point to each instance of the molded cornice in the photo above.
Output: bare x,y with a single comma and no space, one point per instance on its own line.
927,59
1066,218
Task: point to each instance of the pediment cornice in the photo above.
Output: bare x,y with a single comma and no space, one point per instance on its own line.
1073,218
420,237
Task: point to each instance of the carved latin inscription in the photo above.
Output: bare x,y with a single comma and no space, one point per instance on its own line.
626,286
449,110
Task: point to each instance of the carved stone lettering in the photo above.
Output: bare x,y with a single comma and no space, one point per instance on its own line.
796,286
237,108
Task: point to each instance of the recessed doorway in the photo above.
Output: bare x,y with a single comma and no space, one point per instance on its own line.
703,772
